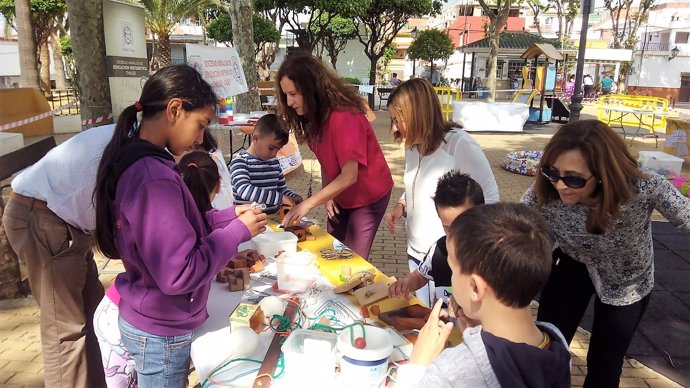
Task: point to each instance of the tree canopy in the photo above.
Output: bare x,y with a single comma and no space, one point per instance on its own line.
431,45
265,31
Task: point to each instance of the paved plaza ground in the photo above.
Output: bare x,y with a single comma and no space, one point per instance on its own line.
662,343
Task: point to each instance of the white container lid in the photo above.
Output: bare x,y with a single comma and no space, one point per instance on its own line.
379,344
658,155
295,341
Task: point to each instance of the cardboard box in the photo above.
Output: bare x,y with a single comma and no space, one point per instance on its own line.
246,314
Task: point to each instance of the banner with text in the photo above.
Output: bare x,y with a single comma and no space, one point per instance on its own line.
220,67
125,50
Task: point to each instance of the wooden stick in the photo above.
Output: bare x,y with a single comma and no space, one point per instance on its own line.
268,366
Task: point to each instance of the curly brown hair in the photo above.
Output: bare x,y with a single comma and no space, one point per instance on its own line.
607,158
322,91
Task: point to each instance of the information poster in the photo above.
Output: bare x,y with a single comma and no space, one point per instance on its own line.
220,67
125,50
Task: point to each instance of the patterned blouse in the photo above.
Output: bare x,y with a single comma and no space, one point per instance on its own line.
620,262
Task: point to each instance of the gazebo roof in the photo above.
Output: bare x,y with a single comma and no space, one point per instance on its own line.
539,49
519,41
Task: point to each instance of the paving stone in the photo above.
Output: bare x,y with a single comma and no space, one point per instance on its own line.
19,355
680,374
5,375
670,260
26,379
674,280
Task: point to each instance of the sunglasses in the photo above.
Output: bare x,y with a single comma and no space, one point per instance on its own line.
574,182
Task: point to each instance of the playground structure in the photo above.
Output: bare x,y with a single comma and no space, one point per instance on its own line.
539,78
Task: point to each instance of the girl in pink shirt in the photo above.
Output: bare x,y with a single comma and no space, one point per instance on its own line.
330,116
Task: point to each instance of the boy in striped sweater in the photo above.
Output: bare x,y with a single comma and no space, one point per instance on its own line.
256,174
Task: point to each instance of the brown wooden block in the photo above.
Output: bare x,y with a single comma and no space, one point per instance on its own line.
237,262
374,292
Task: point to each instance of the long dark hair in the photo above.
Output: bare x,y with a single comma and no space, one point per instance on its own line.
608,159
200,174
177,81
322,90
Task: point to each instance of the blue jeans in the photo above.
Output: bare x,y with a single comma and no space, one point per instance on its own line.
159,361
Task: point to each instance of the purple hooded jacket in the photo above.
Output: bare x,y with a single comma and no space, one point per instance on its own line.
170,251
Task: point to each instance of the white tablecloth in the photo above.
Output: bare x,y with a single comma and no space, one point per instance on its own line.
212,340
490,116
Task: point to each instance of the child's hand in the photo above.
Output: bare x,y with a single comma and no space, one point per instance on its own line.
288,200
255,220
400,289
432,338
240,209
296,213
455,311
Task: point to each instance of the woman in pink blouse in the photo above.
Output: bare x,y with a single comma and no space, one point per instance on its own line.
329,115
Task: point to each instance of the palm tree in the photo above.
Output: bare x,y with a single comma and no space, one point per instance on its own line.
161,18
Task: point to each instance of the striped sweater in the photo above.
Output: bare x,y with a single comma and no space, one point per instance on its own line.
256,180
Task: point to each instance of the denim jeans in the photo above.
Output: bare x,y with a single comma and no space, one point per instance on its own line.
159,361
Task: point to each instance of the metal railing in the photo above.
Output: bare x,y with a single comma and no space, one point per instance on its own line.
60,97
648,46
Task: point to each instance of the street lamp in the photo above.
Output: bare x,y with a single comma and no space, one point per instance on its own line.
413,34
576,101
674,53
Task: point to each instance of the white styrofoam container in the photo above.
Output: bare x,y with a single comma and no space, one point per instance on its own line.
310,357
661,162
268,244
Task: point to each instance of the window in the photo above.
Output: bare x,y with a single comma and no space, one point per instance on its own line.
499,68
515,67
682,37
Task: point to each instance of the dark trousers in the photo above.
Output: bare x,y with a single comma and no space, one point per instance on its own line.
357,227
563,302
588,91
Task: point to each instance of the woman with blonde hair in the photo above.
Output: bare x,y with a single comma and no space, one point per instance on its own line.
433,146
599,203
330,116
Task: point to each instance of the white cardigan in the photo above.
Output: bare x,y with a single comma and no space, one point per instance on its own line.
459,151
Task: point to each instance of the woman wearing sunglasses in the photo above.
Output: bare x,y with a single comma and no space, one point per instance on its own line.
599,203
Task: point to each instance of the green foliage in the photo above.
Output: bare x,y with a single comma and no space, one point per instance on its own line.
264,30
162,15
43,8
220,29
430,45
66,45
388,55
351,80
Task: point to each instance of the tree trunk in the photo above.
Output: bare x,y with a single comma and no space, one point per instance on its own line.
243,41
334,60
58,64
44,60
493,63
163,55
372,77
264,58
28,60
88,43
10,277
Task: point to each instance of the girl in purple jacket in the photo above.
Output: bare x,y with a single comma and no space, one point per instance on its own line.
147,217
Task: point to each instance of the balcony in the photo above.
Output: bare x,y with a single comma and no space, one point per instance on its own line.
649,46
